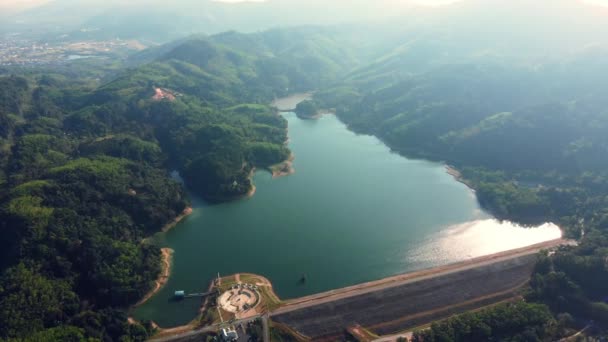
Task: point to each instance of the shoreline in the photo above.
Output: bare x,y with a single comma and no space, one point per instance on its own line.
187,212
283,104
457,175
284,168
230,198
163,277
251,191
253,188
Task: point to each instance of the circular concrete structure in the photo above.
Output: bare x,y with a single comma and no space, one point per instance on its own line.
239,298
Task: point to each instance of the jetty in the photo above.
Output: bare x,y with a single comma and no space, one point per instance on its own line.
183,295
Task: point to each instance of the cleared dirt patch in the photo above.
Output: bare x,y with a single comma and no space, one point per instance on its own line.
163,94
361,334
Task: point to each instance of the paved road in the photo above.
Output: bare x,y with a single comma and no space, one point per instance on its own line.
195,334
393,338
266,328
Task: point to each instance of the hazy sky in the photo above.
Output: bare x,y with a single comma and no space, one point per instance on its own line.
426,2
422,2
20,4
598,2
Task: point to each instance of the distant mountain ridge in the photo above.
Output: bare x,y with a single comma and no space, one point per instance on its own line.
156,22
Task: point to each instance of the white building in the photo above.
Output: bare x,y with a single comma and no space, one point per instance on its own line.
229,334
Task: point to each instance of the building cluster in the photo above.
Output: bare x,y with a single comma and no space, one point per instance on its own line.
17,51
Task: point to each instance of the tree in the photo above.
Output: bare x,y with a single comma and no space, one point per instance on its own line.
307,109
30,302
62,333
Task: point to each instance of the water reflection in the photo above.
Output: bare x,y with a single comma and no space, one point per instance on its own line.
478,238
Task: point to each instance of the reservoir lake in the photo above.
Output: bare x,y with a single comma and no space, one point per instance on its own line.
352,212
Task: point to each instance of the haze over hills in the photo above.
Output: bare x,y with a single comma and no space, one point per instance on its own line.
158,22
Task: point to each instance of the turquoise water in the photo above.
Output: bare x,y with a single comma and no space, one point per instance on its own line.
352,212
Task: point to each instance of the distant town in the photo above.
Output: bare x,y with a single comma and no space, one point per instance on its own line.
17,51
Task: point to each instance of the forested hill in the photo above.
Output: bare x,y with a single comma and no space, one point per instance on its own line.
85,170
218,127
528,136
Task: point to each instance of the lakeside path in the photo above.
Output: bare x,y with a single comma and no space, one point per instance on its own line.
166,258
187,212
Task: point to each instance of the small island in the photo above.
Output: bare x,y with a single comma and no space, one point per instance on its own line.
307,109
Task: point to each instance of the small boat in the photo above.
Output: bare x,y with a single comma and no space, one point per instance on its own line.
303,278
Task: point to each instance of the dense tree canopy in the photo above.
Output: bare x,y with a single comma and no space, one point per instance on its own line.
506,322
306,109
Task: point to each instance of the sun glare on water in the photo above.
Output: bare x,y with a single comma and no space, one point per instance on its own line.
479,238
